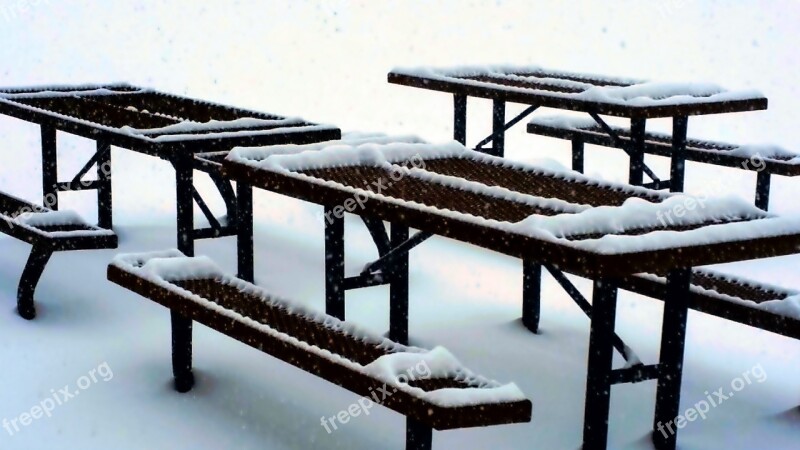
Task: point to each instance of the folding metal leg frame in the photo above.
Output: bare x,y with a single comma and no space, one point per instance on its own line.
51,186
390,268
499,124
40,253
602,343
635,150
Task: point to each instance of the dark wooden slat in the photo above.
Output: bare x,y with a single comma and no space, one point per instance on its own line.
313,332
567,258
697,150
437,195
709,303
180,107
546,186
97,112
560,101
526,83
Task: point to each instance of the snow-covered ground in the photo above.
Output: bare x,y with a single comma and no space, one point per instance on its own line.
327,62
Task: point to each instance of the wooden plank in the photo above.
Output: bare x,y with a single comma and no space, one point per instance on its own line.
435,416
560,101
696,150
12,207
571,259
707,302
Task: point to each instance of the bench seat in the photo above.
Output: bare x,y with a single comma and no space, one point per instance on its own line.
758,305
195,290
47,231
764,160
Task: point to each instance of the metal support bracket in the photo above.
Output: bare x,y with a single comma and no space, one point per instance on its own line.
385,262
626,148
500,127
626,352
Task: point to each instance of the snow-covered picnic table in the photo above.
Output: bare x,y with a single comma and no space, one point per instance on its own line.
170,127
545,215
595,95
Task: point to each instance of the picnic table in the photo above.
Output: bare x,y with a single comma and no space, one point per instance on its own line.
547,217
170,127
595,95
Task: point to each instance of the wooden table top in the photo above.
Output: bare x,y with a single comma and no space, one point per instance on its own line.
580,92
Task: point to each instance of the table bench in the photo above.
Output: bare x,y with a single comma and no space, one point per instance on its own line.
765,161
170,127
595,95
47,231
550,218
194,289
728,297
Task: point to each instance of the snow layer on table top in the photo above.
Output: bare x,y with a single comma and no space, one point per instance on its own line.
67,90
392,149
766,151
188,126
507,70
650,93
249,155
225,129
635,213
394,369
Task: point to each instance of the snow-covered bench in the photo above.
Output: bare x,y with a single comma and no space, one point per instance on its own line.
47,231
764,160
430,388
758,305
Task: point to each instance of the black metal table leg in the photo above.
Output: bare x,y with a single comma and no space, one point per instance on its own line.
636,170
49,167
531,294
598,380
762,189
104,200
673,340
182,352
418,435
244,231
334,264
498,127
398,288
184,172
460,118
577,155
678,160
37,260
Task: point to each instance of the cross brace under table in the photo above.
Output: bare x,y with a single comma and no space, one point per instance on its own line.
634,149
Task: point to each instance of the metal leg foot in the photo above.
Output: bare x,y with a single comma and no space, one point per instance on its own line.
418,435
531,294
37,260
182,352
